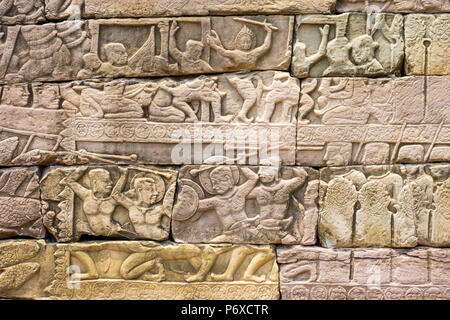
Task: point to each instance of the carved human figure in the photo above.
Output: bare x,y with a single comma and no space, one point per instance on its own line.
308,223
284,90
191,59
338,55
273,198
98,202
92,64
229,203
363,53
116,61
391,180
440,231
162,109
29,11
143,206
405,233
16,95
244,55
301,64
249,93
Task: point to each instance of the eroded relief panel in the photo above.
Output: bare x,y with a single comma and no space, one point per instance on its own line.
313,273
113,48
384,206
231,118
20,209
21,12
345,121
261,205
399,6
348,45
108,201
427,38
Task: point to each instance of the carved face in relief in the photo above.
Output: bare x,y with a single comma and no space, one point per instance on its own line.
16,96
91,61
245,39
222,179
194,50
268,174
101,183
24,6
363,49
116,54
146,190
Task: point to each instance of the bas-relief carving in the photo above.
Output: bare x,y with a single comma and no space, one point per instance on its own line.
137,270
312,273
146,47
399,6
384,206
345,121
427,38
21,12
348,45
124,202
63,9
20,209
133,121
261,205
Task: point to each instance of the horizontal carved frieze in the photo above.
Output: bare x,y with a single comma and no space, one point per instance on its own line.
398,6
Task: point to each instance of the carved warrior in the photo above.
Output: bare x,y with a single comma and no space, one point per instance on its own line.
20,213
108,201
399,6
241,205
352,52
21,12
314,273
345,121
79,49
383,206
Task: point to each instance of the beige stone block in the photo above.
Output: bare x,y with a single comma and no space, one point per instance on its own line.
384,206
373,274
20,209
427,38
119,270
399,6
348,45
260,205
345,121
112,48
20,12
108,201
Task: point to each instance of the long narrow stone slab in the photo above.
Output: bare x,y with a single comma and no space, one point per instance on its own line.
21,12
114,48
136,270
20,208
427,38
398,6
384,206
313,273
348,45
229,118
260,205
345,121
108,201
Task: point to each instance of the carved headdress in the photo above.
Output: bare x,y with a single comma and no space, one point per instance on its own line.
246,36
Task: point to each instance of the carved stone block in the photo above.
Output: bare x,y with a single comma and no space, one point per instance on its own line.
365,274
114,48
20,209
348,45
399,6
260,205
427,38
229,118
19,12
345,121
384,206
136,270
121,202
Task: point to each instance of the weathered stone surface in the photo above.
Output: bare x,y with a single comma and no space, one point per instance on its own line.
232,118
399,6
110,201
345,121
261,205
20,209
114,48
427,40
313,273
21,12
348,45
137,270
150,8
384,206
